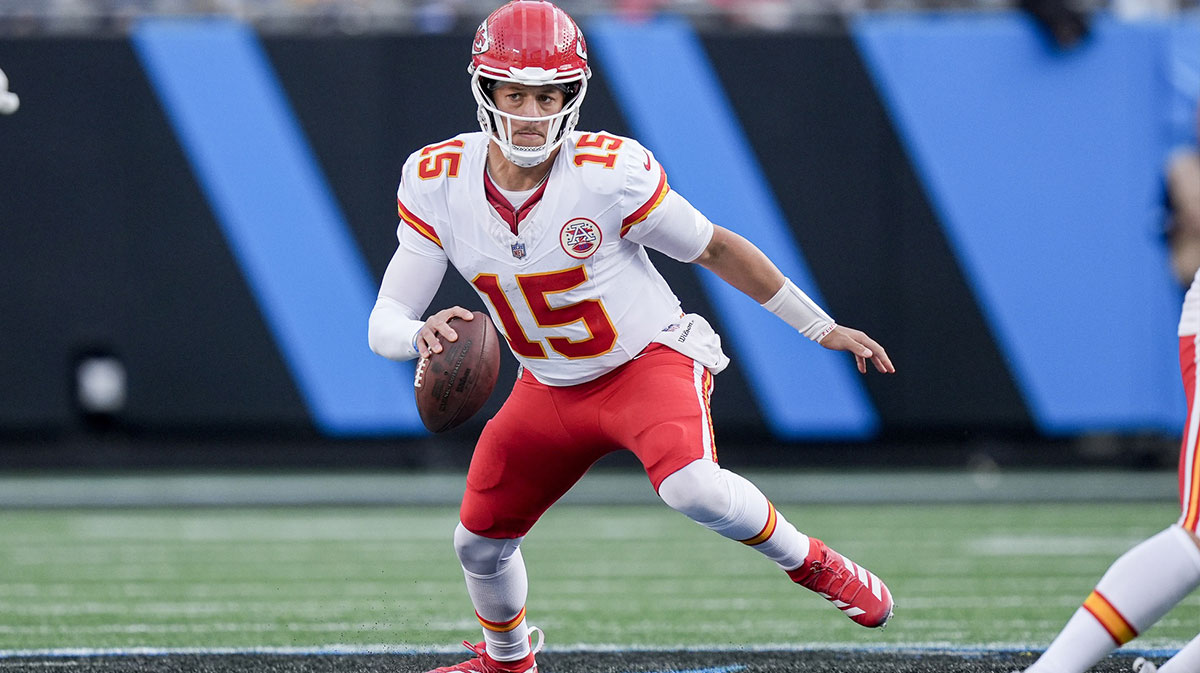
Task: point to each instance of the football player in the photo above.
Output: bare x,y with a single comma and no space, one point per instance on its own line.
1147,581
1186,660
551,226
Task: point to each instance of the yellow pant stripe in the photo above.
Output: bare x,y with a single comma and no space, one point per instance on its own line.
502,627
1110,618
1191,509
767,531
708,388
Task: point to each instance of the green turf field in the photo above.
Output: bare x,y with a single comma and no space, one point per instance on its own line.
623,576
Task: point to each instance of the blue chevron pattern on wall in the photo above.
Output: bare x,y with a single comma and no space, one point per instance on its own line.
1045,168
280,219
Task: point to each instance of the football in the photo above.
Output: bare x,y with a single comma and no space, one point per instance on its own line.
452,385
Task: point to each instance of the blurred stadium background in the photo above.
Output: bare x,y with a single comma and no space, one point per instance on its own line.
197,202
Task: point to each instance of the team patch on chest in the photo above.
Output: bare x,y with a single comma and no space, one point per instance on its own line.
580,237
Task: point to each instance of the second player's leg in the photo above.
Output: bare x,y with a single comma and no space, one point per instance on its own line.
1144,583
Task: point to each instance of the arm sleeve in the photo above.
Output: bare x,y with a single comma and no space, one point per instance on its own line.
409,283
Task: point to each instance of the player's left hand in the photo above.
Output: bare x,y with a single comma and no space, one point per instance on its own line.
861,346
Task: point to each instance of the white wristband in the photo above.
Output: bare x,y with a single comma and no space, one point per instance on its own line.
801,312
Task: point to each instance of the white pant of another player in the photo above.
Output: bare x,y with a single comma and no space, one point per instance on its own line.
1186,660
1152,578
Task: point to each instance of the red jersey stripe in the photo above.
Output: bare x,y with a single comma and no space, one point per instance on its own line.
660,192
417,224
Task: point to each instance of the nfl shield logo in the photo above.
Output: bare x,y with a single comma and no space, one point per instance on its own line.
518,250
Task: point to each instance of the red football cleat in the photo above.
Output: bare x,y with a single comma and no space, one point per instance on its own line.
483,663
853,589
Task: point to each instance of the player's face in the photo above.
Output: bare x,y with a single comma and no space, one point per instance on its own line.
528,101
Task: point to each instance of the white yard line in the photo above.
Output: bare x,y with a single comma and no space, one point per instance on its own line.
602,487
1151,649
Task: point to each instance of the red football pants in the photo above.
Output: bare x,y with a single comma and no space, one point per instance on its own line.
545,438
1189,453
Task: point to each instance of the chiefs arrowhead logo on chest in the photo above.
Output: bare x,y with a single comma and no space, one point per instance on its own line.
580,237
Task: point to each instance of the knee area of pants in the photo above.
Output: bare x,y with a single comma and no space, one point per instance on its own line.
699,493
478,554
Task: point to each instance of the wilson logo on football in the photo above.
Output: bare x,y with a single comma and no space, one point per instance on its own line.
580,238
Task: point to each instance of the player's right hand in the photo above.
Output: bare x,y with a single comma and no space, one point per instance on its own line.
427,339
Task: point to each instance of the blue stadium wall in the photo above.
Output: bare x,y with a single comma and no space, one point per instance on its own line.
215,208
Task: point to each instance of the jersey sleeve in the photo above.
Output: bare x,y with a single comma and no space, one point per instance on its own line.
416,230
657,217
411,280
409,284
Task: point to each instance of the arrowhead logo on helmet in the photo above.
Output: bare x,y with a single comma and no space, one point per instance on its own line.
482,42
535,43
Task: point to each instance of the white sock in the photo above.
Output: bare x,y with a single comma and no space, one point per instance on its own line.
730,505
498,585
1186,660
1139,588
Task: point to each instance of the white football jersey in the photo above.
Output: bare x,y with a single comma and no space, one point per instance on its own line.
564,275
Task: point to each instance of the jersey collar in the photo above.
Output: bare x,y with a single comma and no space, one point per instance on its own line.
511,216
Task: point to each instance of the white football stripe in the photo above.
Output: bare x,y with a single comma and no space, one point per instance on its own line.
853,612
863,575
876,586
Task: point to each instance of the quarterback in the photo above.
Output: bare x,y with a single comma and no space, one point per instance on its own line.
550,226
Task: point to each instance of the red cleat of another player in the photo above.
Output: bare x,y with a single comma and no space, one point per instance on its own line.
483,663
853,589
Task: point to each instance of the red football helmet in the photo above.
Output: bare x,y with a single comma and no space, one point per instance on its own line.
530,42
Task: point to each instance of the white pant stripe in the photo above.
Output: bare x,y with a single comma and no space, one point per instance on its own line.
698,371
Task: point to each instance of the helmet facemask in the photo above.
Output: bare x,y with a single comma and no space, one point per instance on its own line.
530,42
498,125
